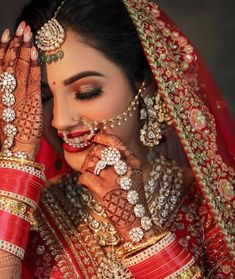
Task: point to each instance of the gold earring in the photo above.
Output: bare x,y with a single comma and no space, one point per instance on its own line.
155,117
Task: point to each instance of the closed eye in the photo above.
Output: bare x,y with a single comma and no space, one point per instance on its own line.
88,95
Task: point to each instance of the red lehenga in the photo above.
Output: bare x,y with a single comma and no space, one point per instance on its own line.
63,246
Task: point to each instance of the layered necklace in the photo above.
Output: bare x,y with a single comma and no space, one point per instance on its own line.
163,190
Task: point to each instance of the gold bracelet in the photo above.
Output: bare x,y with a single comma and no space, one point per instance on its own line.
23,161
129,249
15,207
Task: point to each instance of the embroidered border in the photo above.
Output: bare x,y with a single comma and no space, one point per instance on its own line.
56,249
191,117
84,248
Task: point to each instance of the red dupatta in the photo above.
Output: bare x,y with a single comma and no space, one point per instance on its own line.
198,110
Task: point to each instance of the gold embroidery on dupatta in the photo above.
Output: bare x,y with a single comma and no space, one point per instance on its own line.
55,247
193,121
85,250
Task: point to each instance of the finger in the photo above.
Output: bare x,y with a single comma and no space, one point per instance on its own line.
133,161
3,46
111,141
34,77
91,181
97,151
22,66
130,159
29,111
89,162
12,53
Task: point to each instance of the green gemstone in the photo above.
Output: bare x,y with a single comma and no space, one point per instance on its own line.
60,54
54,57
43,58
49,59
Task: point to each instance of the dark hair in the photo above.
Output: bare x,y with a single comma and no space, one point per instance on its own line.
104,24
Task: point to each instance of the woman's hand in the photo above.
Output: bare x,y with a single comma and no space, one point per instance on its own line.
19,58
106,186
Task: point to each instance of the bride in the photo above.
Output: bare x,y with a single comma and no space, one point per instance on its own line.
111,102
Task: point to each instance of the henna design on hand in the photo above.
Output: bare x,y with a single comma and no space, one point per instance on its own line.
118,209
3,48
29,112
10,266
106,186
28,107
11,55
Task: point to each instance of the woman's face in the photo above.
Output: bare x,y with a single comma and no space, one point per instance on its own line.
86,84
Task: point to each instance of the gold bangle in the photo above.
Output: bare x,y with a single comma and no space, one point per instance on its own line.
12,205
15,207
23,161
129,249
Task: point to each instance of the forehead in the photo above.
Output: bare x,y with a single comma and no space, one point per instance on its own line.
78,57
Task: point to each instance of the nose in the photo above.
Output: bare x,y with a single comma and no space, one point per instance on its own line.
62,115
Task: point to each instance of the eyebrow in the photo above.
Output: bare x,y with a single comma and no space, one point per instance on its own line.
80,76
75,78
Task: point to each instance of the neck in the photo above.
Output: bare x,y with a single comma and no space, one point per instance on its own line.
141,152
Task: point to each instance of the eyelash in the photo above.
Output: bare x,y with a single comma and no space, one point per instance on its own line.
89,94
78,96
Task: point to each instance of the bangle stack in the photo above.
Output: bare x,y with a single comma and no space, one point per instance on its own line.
164,259
130,249
22,181
22,161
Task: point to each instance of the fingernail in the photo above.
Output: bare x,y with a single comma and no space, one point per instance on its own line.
27,34
34,53
5,36
20,29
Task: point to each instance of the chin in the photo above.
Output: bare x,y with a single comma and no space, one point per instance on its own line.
75,160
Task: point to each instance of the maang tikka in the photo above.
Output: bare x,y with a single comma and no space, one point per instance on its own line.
49,38
155,118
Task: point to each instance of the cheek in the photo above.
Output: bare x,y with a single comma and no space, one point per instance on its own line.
128,131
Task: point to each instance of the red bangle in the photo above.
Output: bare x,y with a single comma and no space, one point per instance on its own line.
13,229
161,259
162,255
163,271
24,188
20,183
11,173
168,261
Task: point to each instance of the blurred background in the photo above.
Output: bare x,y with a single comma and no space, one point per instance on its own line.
209,24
